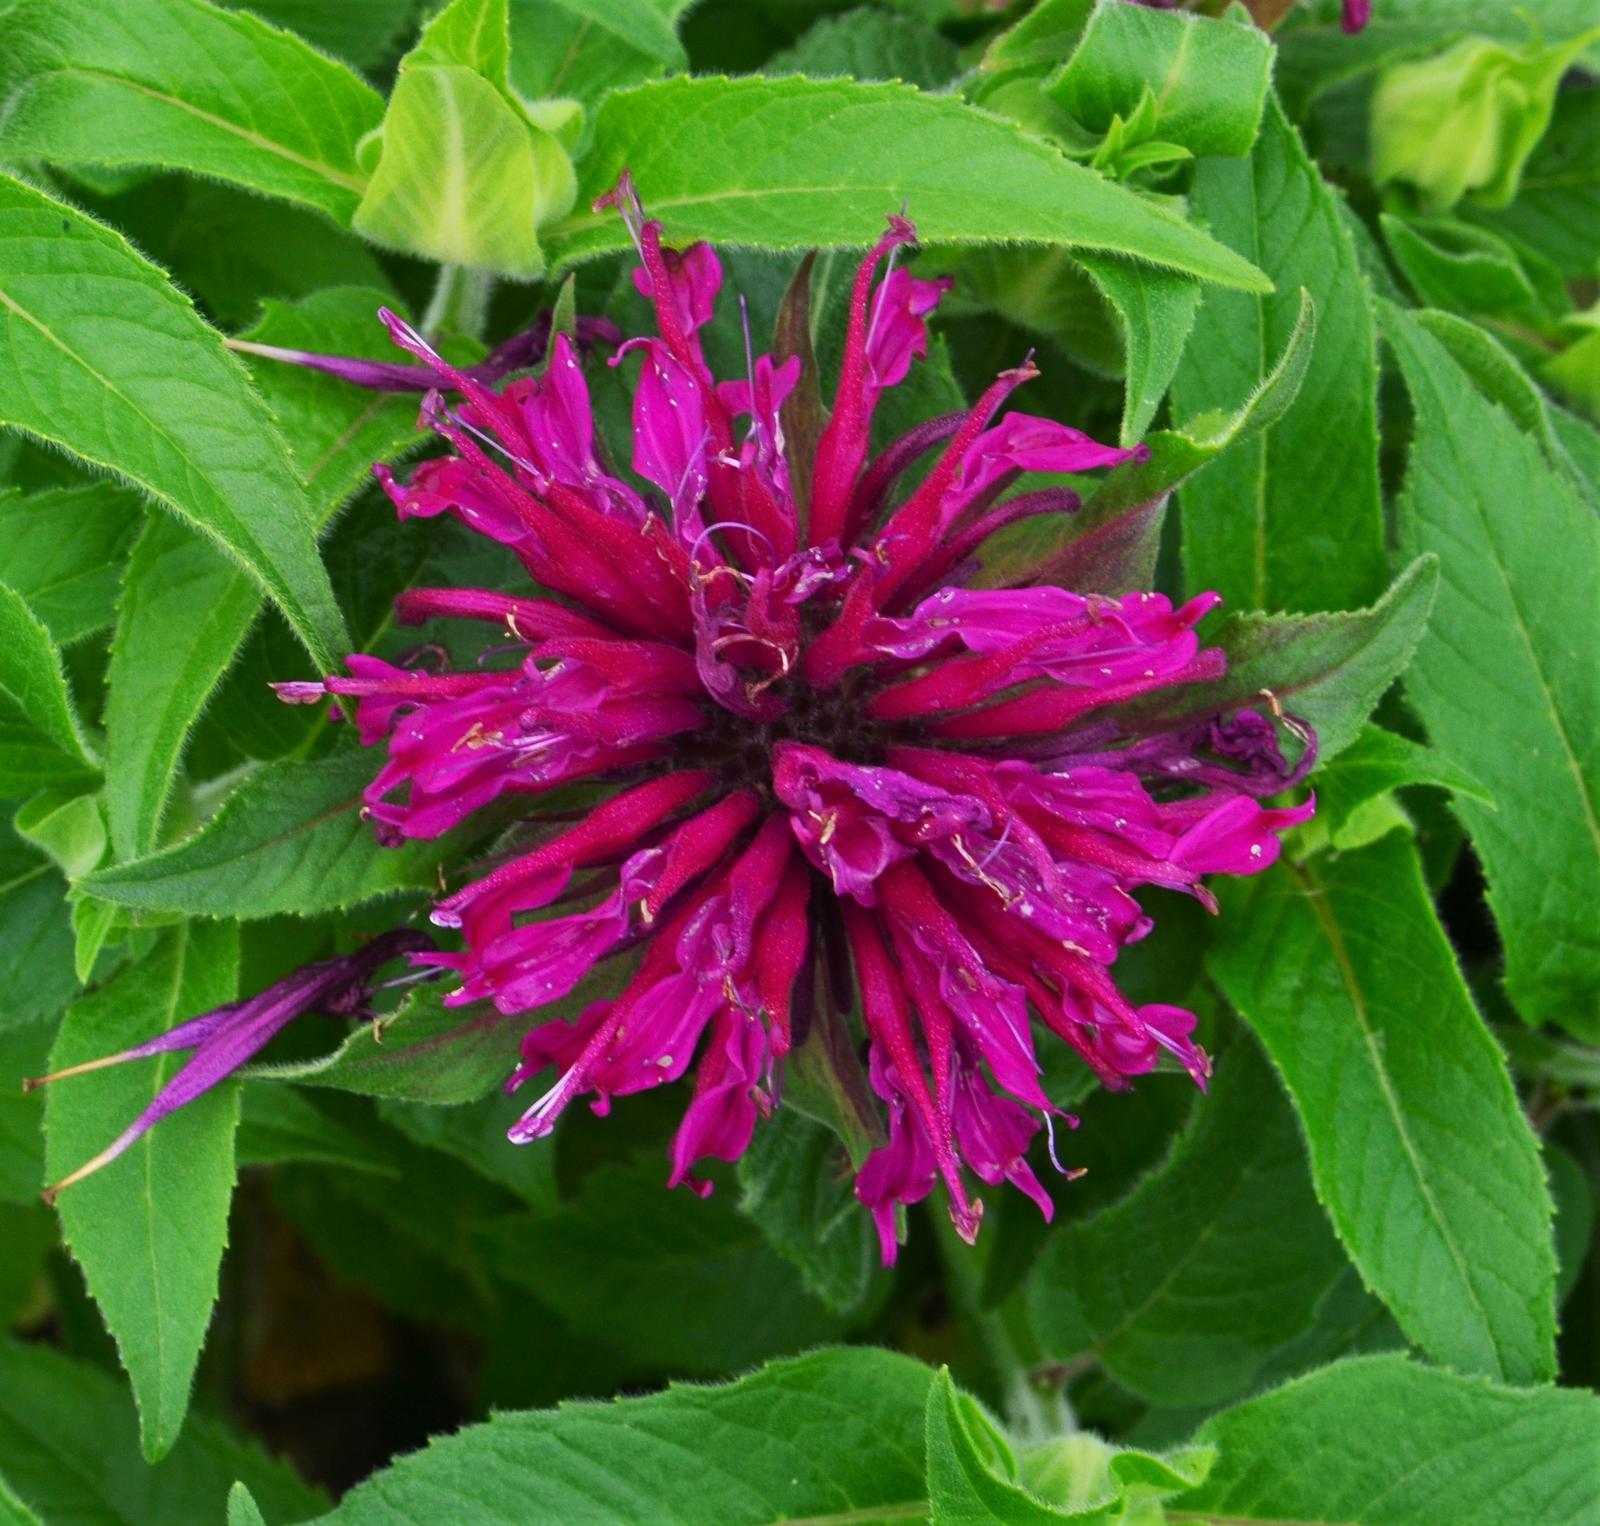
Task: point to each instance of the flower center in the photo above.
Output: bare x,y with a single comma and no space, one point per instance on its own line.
741,748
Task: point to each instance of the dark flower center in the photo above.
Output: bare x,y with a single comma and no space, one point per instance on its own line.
740,748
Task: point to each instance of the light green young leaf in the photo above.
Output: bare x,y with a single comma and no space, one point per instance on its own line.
1385,1441
41,742
64,549
1184,1289
834,1435
785,164
1558,202
1293,521
1156,312
462,172
1421,1154
289,840
68,1449
182,84
149,1229
1508,679
1208,78
1315,53
99,354
69,826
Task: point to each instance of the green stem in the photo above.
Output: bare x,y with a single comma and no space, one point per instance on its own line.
460,302
1035,1411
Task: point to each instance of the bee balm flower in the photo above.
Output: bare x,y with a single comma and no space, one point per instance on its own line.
816,747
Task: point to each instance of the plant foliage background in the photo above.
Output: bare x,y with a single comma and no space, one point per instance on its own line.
1352,1283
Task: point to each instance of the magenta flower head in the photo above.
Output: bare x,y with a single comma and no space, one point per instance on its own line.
828,770
230,1036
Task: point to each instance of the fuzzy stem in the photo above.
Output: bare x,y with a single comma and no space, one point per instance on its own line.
459,304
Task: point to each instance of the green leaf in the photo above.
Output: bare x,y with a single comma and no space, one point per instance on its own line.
1315,53
1208,78
1293,521
971,1468
12,1511
1374,765
558,52
64,549
148,1230
69,1452
1110,545
1570,446
361,32
41,742
1041,38
233,250
1507,680
1329,669
642,25
785,164
795,1183
1420,1151
1183,1290
334,430
867,44
677,1282
278,1124
290,839
185,85
71,828
1468,270
242,1507
183,613
1384,1441
426,1052
831,1436
99,354
24,1052
475,1135
1156,312
1575,1216
463,173
166,661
